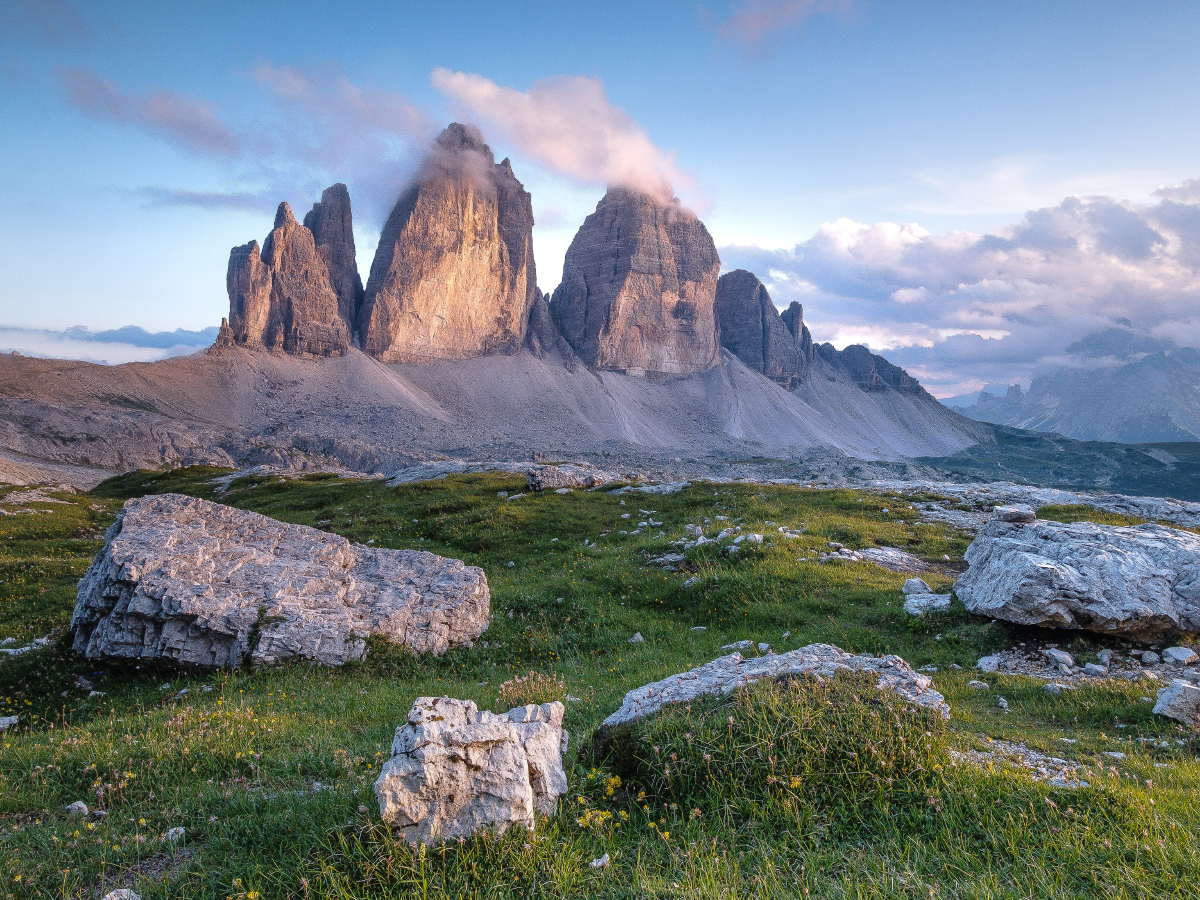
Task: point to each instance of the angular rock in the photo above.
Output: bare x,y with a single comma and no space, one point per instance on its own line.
920,604
78,808
726,674
455,771
894,559
454,276
541,478
332,226
1018,512
1095,671
1150,658
1060,658
1140,582
181,580
639,286
916,586
7,722
988,663
754,332
1180,656
283,299
1180,701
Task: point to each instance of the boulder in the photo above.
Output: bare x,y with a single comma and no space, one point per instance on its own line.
1140,582
1180,700
188,582
1180,656
894,559
753,331
1018,512
727,673
639,286
332,226
541,478
455,771
283,299
920,604
453,276
916,586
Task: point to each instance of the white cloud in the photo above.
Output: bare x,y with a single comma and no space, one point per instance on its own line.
57,345
569,126
965,307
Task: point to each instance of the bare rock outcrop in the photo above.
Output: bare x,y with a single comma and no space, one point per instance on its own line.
1140,582
454,276
455,771
727,673
188,582
283,299
871,372
639,286
332,225
753,330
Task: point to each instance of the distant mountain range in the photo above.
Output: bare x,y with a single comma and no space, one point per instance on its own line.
1121,387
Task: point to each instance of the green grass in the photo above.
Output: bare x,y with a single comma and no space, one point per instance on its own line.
270,771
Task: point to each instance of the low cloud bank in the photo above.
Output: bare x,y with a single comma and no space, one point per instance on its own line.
112,347
961,310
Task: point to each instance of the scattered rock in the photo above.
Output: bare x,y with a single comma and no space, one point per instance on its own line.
978,685
637,638
920,604
1139,582
187,581
601,863
1039,766
1060,658
1180,700
78,808
121,894
82,683
691,582
739,645
727,673
988,663
1106,657
174,834
698,627
1002,703
1095,671
455,771
764,648
1150,658
541,478
1018,513
1180,656
893,559
95,694
669,487
7,722
1056,688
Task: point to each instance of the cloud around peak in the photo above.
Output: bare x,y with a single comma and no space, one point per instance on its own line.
569,126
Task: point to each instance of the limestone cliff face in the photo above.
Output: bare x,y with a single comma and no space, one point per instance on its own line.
283,299
332,225
872,373
753,330
454,276
639,283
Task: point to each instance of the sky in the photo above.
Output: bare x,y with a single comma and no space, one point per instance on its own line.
968,188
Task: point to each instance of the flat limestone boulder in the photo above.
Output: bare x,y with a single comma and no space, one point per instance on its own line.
726,674
1140,582
1180,701
185,581
539,478
455,771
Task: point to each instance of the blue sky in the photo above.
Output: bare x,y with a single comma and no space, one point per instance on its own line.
855,154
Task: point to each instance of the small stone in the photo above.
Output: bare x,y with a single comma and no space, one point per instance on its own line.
1106,657
1150,658
562,490
1018,513
1115,754
8,642
988,663
94,694
764,648
8,722
956,667
1095,671
1059,657
739,645
1056,688
121,894
1179,656
920,604
929,669
978,685
165,687
83,684
1002,703
917,586
511,563
78,808
700,628
601,863
637,638
691,582
503,495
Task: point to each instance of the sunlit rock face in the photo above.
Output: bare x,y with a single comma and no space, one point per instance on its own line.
332,226
753,330
454,276
283,298
638,289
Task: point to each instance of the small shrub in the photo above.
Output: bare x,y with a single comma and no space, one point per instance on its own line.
536,688
834,753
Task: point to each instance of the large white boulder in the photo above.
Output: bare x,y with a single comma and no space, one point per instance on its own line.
195,583
727,673
1140,582
1180,701
455,771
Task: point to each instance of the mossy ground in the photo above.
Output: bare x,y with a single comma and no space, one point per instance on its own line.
270,771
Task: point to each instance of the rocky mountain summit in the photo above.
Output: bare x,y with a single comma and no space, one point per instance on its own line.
454,276
752,329
283,298
332,226
639,287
